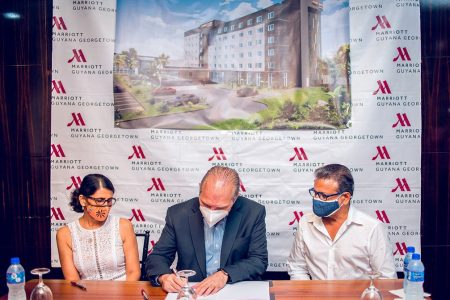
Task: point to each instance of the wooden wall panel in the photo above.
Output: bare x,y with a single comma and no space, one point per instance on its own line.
435,27
25,65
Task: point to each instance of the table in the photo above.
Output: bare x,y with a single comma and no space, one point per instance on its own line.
279,290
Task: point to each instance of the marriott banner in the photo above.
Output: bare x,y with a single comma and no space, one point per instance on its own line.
136,108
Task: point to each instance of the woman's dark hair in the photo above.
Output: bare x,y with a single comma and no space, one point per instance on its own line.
91,183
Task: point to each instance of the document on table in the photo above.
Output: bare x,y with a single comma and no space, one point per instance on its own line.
245,290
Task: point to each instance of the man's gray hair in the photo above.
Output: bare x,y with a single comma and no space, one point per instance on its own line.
226,174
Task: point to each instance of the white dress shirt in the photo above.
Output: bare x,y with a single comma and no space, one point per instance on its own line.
360,245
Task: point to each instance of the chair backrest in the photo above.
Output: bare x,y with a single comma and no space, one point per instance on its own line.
146,236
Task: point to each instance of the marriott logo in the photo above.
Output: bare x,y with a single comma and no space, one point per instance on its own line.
402,53
57,151
382,153
402,184
59,23
78,56
77,119
219,154
137,215
383,22
403,120
400,249
137,153
57,214
383,87
299,153
297,216
58,87
75,182
157,184
382,216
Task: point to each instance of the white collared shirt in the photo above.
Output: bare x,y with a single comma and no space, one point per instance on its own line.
360,245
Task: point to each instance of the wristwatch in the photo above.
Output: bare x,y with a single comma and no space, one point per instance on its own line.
226,273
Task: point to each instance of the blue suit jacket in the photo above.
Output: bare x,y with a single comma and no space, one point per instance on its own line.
244,246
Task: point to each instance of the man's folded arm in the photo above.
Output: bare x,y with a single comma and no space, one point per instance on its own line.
255,264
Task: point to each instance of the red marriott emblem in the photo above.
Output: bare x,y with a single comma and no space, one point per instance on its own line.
77,119
57,150
78,56
242,187
299,153
381,153
403,120
137,215
402,54
152,244
383,87
297,216
400,248
402,184
382,216
59,23
157,185
382,22
57,214
138,152
76,182
58,87
218,154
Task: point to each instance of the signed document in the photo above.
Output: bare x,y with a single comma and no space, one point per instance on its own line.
245,290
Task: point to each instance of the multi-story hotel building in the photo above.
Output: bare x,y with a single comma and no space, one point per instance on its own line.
278,46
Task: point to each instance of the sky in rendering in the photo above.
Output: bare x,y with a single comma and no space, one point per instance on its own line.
154,27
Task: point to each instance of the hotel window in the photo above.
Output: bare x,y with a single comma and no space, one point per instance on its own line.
219,31
232,66
249,54
259,19
240,66
241,34
250,32
241,55
249,65
225,29
261,29
259,53
240,25
270,40
271,15
232,27
249,22
271,52
225,66
249,43
271,65
241,45
259,42
270,27
259,65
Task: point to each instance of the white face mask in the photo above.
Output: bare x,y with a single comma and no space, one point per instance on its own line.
212,217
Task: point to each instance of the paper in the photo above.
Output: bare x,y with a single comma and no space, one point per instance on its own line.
245,290
400,293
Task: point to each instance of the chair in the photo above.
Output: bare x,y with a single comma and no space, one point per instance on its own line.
146,236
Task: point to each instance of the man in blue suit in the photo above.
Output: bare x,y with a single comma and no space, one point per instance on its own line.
219,235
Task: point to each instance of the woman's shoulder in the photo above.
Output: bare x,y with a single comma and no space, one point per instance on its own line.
63,233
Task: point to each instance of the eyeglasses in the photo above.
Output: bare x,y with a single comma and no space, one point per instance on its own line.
102,201
320,195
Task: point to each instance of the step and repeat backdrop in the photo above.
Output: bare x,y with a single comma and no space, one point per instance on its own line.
154,168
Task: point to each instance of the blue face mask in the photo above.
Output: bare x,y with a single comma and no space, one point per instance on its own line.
325,208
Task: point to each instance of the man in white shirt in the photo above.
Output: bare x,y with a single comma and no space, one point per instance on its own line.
338,241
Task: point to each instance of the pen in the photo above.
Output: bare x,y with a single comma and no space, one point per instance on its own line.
174,270
144,294
78,285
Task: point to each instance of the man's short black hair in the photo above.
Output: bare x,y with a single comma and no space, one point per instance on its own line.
339,173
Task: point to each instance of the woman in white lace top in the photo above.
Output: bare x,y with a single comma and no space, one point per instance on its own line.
97,246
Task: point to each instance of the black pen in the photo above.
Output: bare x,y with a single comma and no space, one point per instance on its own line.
78,285
144,294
